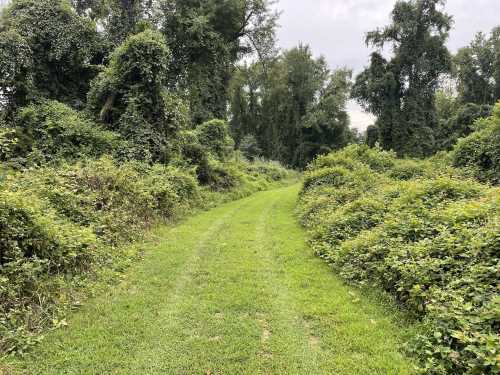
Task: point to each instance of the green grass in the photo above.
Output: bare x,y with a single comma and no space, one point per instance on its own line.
234,290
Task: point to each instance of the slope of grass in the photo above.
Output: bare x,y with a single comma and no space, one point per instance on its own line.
234,290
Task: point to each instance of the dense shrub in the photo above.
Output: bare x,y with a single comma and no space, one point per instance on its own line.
51,131
215,136
480,151
115,200
36,247
428,238
270,170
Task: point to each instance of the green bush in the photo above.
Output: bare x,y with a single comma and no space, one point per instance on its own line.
408,169
215,136
37,249
480,152
115,200
334,176
429,239
52,131
270,170
8,142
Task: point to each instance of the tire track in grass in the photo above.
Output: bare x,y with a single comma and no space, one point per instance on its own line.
285,348
111,330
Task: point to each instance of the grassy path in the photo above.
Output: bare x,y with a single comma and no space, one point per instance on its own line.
230,291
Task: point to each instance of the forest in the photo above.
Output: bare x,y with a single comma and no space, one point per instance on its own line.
123,123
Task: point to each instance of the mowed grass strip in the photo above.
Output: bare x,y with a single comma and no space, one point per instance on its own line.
234,290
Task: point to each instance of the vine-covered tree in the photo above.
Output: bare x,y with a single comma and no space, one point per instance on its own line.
400,91
131,97
207,38
46,51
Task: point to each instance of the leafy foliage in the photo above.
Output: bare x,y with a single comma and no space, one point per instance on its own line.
250,147
400,91
423,234
51,131
131,97
478,69
53,52
459,124
294,106
480,151
16,59
214,136
207,38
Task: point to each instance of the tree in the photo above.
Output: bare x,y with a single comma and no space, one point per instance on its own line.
250,147
16,80
239,98
207,38
214,135
55,48
478,69
295,107
118,18
459,124
131,97
372,135
123,18
401,91
326,127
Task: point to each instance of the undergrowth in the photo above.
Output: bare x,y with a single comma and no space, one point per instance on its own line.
422,232
64,226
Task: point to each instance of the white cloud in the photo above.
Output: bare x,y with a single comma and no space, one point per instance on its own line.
359,118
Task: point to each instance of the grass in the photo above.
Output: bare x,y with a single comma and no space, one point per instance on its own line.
234,290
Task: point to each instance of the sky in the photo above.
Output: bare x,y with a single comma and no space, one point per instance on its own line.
336,30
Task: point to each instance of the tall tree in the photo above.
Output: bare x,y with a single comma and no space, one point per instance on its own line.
326,127
401,91
478,69
295,108
118,18
207,38
55,52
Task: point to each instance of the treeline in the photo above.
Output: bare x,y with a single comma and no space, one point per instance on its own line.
425,98
145,69
285,105
291,108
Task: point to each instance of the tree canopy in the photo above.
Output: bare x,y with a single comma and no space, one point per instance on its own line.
295,108
400,90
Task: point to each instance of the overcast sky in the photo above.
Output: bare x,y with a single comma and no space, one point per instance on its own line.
336,29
